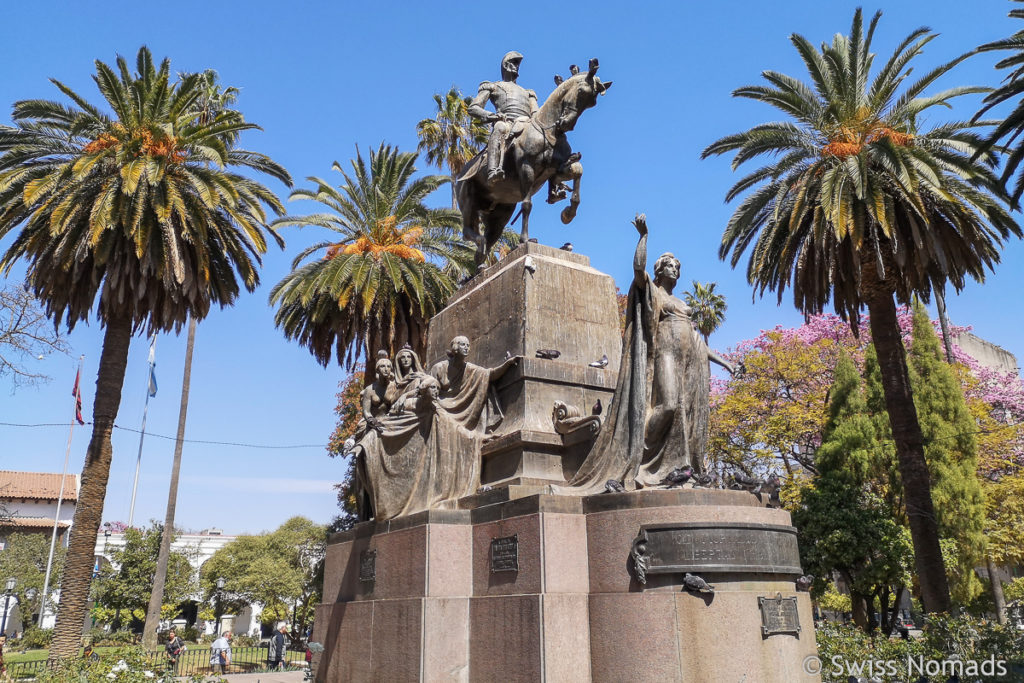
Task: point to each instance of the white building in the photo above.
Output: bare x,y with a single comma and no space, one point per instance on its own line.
28,504
30,500
198,548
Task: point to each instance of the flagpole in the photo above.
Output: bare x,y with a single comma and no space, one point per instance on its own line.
142,432
60,495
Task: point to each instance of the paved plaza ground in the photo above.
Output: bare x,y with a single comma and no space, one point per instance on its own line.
271,677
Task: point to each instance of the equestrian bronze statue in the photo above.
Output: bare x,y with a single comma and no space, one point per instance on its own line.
527,148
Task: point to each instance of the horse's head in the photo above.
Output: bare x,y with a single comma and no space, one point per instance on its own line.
575,94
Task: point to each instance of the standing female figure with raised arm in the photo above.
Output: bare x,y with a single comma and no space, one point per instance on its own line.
659,416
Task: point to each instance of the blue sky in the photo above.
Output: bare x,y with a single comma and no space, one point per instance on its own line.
322,77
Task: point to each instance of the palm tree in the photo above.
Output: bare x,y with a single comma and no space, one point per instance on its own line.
860,204
707,307
125,215
212,99
1010,128
380,278
452,137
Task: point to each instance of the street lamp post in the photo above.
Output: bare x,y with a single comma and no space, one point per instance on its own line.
30,595
7,604
217,608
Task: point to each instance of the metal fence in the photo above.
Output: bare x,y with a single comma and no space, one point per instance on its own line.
194,660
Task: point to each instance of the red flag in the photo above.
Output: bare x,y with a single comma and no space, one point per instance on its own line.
78,398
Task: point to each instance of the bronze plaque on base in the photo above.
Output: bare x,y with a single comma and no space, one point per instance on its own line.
778,615
368,565
731,547
505,554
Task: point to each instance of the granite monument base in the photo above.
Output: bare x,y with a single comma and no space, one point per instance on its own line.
557,588
536,298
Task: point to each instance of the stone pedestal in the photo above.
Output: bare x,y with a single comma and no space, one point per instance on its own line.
537,297
545,588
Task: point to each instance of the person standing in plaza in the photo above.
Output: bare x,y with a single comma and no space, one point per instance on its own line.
220,653
278,646
175,646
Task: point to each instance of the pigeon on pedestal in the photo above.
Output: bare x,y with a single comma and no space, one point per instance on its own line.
613,486
695,584
677,477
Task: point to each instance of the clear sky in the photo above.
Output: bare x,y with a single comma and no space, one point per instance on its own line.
322,77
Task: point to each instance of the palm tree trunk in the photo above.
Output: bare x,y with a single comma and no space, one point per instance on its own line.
997,590
947,341
913,468
455,198
77,574
156,598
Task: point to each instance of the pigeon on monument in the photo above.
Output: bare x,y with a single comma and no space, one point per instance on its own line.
573,69
548,354
530,265
613,486
566,247
771,486
695,584
603,363
597,408
707,480
804,582
677,477
508,354
744,482
558,80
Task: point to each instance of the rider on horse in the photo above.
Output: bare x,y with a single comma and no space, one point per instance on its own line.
513,105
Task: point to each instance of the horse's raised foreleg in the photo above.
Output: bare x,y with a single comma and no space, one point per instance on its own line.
526,178
575,172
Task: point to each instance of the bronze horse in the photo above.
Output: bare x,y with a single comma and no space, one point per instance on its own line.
539,152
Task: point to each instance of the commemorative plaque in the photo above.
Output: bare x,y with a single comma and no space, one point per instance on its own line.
724,547
505,554
368,565
778,615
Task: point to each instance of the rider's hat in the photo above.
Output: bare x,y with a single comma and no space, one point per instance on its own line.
512,56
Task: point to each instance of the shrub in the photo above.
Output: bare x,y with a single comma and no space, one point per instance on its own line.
115,638
944,638
190,633
127,665
246,641
36,638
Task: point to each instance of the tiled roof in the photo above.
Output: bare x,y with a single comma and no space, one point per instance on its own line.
37,485
31,523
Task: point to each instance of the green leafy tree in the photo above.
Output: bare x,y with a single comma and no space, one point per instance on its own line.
122,215
282,570
707,307
862,204
24,560
951,451
349,410
374,288
452,137
123,586
845,526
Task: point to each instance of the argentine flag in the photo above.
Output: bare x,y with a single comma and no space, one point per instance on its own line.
152,367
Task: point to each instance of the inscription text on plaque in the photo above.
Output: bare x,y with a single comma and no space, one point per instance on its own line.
778,615
368,565
715,547
505,554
